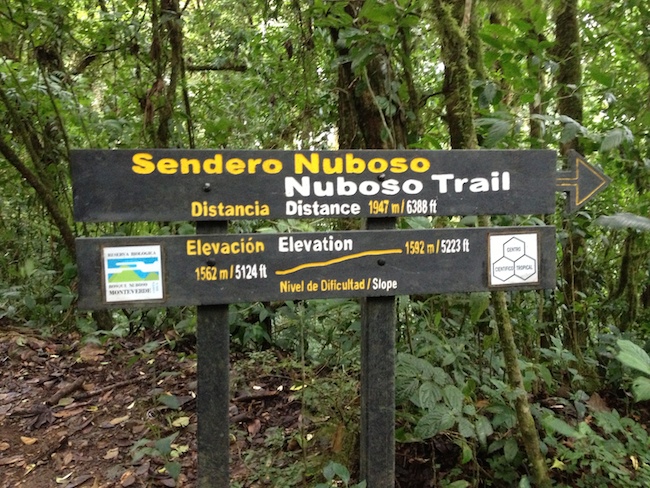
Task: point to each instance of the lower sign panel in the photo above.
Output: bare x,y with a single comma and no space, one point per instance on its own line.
220,269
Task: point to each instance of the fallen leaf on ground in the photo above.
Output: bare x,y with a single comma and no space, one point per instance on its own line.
91,353
62,479
181,422
12,460
337,440
28,441
119,420
79,480
112,453
597,403
4,446
67,458
254,427
127,479
64,414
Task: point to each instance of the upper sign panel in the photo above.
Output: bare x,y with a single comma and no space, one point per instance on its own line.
179,184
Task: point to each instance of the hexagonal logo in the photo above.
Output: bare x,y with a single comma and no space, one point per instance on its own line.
503,269
514,248
525,267
513,259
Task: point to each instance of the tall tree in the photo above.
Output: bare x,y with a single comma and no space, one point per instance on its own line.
567,51
453,20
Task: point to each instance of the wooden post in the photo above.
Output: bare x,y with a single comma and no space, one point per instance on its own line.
378,321
213,363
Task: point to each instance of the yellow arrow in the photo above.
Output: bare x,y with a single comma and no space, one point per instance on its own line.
582,180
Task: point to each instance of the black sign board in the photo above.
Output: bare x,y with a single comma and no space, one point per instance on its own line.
220,269
212,269
203,185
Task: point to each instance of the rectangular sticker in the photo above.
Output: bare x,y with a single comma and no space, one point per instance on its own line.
132,273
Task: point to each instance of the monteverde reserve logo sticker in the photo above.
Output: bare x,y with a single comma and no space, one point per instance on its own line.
132,273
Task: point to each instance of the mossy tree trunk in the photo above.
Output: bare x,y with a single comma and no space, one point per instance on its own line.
39,152
453,23
567,52
362,121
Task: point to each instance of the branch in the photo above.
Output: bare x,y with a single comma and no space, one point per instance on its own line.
119,384
217,67
43,192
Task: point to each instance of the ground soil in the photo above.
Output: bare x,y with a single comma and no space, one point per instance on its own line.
75,413
79,414
72,413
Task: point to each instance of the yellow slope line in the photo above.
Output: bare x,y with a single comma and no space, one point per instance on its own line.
320,264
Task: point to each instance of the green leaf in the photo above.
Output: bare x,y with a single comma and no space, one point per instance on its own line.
169,401
414,366
429,424
478,303
29,302
174,469
641,389
447,420
497,132
454,398
429,395
624,220
448,359
604,78
466,428
359,56
186,228
510,449
557,425
164,445
499,31
466,452
407,388
380,13
483,429
459,484
569,131
334,469
633,356
612,139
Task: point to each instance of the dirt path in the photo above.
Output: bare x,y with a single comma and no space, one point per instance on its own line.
74,415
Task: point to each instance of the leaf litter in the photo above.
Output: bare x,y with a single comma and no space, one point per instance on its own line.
89,416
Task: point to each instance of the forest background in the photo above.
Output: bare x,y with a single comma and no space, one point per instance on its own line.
437,74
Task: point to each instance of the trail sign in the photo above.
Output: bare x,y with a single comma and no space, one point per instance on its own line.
212,268
177,184
220,269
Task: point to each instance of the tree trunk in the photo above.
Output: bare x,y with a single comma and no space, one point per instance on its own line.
166,52
363,123
451,17
567,52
